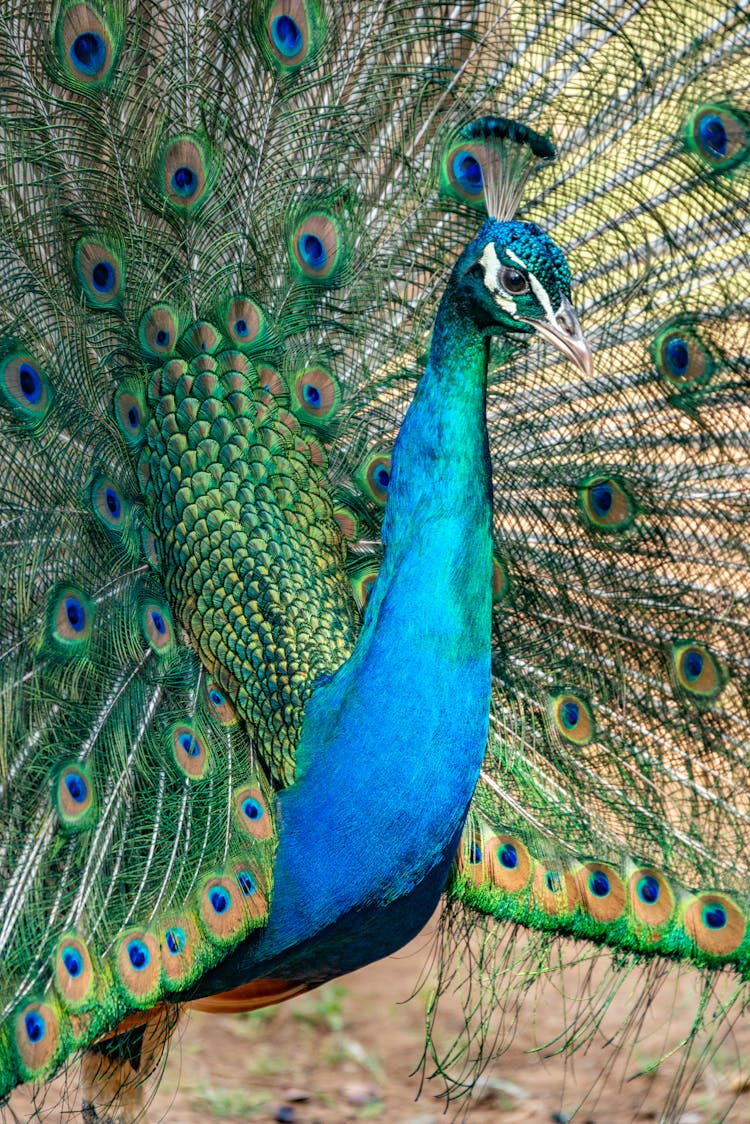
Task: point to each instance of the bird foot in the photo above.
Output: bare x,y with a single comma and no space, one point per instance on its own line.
114,1071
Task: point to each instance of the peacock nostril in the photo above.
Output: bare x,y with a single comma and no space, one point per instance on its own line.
566,322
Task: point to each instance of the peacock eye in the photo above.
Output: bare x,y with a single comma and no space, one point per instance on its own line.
513,281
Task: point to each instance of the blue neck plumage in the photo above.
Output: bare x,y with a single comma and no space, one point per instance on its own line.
392,745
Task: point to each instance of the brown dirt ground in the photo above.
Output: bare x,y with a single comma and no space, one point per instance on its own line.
346,1052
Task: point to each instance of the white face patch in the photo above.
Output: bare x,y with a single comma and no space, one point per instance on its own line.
516,259
491,265
541,295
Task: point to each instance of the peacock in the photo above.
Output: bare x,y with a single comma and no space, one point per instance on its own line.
375,501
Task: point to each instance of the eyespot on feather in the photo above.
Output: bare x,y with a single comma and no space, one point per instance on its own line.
130,412
157,626
244,323
24,387
719,134
363,579
470,860
508,862
316,396
189,750
572,717
269,379
73,797
317,248
461,173
37,1039
715,924
682,358
220,706
601,891
185,174
293,33
159,331
111,508
87,44
251,813
222,910
252,891
606,503
137,966
698,673
100,271
200,338
555,891
69,619
650,897
374,476
74,972
179,944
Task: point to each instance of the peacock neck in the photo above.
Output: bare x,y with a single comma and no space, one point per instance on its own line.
440,487
399,732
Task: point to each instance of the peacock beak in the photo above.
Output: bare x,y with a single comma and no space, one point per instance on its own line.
564,331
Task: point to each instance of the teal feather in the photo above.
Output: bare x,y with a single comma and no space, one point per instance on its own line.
311,610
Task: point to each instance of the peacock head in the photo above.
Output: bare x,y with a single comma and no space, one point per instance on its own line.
513,280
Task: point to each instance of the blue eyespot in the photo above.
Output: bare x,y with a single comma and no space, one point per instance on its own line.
311,395
216,697
677,356
176,940
220,900
138,954
88,52
112,500
692,664
287,36
475,853
184,182
467,172
714,916
30,383
312,251
189,745
77,787
158,622
554,885
570,712
648,889
35,1026
599,884
73,962
103,277
246,883
508,856
134,417
252,809
713,134
75,613
601,497
162,337
382,477
241,328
